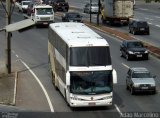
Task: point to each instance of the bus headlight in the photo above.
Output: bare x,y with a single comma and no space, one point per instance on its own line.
107,97
75,98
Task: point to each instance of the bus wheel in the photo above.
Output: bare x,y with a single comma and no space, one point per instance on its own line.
66,99
53,81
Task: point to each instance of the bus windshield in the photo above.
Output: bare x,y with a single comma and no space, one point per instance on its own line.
90,56
91,82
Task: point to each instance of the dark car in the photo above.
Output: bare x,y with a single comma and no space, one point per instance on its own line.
136,27
60,5
139,79
131,49
94,8
72,17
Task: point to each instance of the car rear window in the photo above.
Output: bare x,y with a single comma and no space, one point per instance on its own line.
74,15
142,24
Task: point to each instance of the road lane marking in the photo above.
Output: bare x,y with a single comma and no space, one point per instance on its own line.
149,23
143,9
148,18
157,16
125,65
17,56
118,109
41,85
157,25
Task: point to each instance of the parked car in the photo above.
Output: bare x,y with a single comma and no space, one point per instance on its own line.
72,17
136,27
139,79
60,5
133,49
94,8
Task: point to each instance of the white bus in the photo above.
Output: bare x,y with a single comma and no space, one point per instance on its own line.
80,65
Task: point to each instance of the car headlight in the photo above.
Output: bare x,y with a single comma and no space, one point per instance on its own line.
152,85
146,51
51,17
37,17
130,52
136,85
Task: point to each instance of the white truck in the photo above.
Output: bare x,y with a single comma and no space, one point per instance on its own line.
42,14
116,11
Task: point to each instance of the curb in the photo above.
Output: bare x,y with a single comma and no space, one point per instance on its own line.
15,89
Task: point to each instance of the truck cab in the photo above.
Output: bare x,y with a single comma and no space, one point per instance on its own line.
42,14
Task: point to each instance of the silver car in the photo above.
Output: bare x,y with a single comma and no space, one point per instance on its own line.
139,79
94,8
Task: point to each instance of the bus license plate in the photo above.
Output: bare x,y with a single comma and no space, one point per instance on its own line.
92,104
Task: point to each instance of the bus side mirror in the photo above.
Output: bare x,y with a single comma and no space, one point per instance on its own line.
114,73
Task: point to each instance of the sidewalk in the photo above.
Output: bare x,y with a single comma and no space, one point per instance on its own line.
8,89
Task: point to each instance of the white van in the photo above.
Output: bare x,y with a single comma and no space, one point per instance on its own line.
43,14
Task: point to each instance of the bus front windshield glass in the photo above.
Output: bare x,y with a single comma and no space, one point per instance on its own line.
90,56
91,82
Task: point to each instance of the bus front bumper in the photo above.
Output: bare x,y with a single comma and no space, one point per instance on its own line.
77,103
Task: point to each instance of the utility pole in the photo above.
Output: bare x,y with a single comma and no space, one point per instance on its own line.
90,11
8,37
99,5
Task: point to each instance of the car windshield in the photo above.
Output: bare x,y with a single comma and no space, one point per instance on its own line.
26,3
91,82
95,5
44,11
134,45
73,15
141,75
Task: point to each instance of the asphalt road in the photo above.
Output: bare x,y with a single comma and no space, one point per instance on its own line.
29,48
143,11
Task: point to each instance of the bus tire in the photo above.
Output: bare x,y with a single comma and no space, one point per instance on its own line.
65,96
54,81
